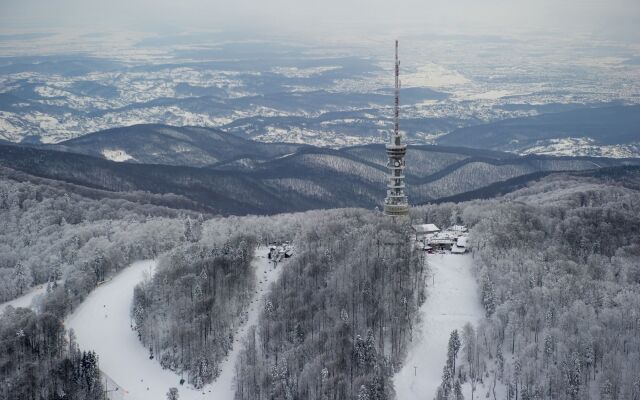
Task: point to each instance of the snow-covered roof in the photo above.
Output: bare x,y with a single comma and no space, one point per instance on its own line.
441,241
458,250
462,241
426,228
458,228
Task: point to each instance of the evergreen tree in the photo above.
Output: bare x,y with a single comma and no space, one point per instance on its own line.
457,391
21,278
488,295
447,379
89,370
452,350
363,393
172,394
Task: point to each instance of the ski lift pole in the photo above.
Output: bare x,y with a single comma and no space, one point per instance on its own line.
106,388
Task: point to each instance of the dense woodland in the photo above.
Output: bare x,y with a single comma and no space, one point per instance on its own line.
187,314
557,263
38,362
559,273
50,234
341,315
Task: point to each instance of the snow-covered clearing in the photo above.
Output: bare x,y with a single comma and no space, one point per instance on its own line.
102,323
453,300
26,299
116,155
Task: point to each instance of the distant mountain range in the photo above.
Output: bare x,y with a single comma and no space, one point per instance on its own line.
586,131
162,144
221,173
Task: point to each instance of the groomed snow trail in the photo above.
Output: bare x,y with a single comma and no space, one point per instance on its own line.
452,302
102,324
223,388
26,300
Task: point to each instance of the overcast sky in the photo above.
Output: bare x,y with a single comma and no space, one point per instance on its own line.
605,18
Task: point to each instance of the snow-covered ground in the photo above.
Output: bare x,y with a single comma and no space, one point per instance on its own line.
116,155
102,323
26,299
453,300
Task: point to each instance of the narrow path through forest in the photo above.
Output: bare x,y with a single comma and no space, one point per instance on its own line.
102,323
453,300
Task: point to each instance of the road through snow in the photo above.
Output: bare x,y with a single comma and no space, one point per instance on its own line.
452,302
102,323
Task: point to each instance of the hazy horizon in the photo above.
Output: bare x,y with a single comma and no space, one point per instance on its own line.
594,18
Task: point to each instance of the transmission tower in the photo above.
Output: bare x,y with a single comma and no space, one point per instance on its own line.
396,203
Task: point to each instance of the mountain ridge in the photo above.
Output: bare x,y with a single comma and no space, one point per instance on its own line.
249,177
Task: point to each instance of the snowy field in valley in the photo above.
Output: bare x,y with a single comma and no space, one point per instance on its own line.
453,300
102,323
26,299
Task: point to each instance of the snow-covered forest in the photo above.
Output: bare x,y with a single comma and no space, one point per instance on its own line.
341,316
187,313
69,243
48,233
559,274
557,267
37,360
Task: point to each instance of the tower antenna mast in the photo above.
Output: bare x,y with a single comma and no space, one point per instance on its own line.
396,203
396,110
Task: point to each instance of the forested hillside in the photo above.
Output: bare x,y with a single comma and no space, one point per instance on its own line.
560,279
187,313
605,125
49,234
69,243
340,317
557,263
37,361
163,144
269,179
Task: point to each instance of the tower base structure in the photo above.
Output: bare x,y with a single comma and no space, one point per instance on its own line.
396,210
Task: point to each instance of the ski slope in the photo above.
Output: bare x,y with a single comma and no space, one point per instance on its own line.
102,323
453,300
26,300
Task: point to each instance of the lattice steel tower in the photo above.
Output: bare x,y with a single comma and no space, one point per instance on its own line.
396,203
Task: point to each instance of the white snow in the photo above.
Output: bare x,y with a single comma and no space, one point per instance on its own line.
295,72
452,301
116,155
582,146
434,76
26,299
102,323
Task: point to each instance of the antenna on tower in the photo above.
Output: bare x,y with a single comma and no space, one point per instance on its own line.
396,203
396,113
